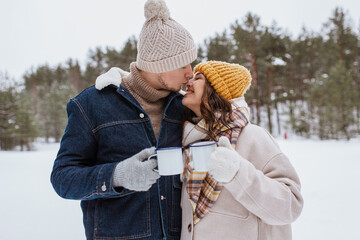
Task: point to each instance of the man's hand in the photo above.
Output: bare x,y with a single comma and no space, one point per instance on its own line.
136,174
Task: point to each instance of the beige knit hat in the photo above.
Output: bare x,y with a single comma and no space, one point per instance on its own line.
164,45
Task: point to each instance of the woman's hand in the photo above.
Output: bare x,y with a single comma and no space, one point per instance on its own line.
224,162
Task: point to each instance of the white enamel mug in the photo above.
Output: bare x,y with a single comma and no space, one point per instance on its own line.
200,153
170,161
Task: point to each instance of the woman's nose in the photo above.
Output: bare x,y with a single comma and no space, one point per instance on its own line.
190,82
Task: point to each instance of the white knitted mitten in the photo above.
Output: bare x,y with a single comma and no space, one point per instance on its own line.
224,162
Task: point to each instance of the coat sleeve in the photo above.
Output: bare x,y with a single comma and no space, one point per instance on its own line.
270,190
75,174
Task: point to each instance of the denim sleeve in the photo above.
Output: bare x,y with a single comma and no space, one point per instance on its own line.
75,174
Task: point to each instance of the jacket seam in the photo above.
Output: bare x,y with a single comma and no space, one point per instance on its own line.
89,195
172,120
125,237
259,228
171,99
231,215
84,115
105,125
271,159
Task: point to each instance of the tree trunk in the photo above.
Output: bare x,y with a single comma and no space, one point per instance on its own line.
75,78
268,100
277,117
254,76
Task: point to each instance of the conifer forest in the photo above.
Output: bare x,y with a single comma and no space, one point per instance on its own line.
307,85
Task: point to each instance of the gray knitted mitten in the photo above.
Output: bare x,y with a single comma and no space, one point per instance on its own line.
136,174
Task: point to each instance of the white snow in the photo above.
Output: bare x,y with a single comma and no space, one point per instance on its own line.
30,209
329,173
278,61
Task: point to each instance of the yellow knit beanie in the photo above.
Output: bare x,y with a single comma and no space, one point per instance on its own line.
228,79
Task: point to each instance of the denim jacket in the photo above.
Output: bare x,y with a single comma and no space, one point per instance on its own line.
105,127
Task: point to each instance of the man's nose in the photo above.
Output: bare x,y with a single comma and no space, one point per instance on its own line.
189,72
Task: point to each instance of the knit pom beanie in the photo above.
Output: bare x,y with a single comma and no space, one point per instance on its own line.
228,79
164,45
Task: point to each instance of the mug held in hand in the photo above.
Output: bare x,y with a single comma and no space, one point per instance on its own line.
170,161
200,153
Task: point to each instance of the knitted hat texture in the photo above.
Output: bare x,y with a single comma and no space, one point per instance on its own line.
164,45
228,79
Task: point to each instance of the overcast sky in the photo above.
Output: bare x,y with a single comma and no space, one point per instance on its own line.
35,32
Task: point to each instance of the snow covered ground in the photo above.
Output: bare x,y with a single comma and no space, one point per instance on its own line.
330,175
329,172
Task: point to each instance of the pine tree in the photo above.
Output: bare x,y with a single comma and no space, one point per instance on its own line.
341,35
74,75
341,87
7,112
122,58
94,67
247,37
26,126
53,110
357,81
201,55
332,97
219,48
272,53
303,63
128,53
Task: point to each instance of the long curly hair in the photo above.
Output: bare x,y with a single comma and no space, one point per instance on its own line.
214,110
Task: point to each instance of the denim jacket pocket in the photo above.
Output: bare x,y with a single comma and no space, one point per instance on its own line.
117,144
123,218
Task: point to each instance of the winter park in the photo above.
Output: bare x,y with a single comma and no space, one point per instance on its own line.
273,86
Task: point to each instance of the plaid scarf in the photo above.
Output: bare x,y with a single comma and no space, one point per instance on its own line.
203,190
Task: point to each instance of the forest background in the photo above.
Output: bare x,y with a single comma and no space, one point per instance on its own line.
308,85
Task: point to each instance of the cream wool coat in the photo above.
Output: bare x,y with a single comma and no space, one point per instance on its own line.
260,202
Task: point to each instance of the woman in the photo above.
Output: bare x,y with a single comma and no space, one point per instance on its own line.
251,190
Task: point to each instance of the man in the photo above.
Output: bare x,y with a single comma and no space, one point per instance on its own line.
110,133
